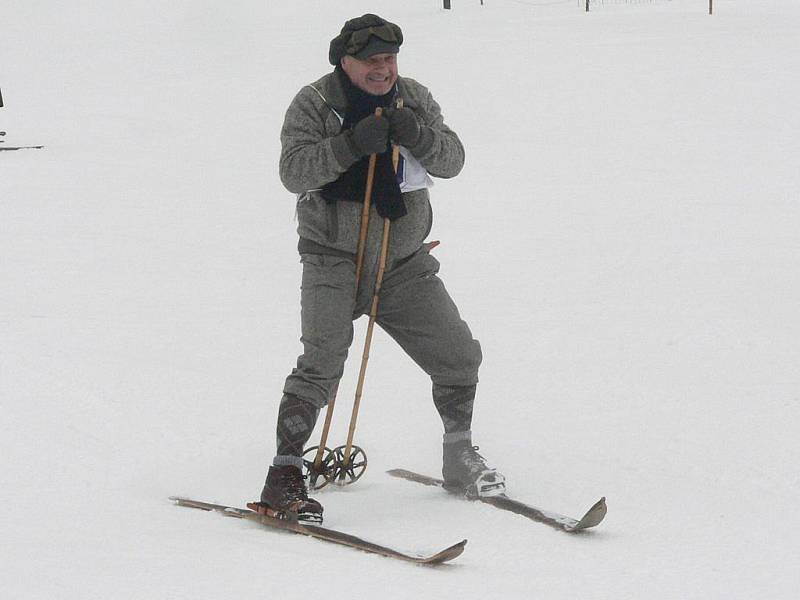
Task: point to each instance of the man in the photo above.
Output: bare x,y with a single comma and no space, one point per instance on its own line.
329,132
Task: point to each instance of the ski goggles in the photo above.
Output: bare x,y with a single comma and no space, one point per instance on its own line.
360,38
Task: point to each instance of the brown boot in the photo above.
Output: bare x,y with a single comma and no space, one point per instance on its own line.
285,497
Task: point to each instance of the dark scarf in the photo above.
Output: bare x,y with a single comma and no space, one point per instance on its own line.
350,186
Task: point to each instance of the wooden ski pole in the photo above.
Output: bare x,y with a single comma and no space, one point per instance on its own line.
362,234
362,242
373,314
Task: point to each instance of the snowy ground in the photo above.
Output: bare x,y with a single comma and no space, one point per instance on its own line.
623,240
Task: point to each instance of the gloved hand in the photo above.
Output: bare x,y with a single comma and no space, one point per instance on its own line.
370,135
403,127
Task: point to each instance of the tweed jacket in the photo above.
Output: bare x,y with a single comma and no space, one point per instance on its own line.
314,152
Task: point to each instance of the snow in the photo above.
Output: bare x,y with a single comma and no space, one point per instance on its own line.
623,241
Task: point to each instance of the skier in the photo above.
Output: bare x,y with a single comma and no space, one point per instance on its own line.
329,132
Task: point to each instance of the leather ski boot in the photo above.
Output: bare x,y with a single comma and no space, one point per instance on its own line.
465,471
285,497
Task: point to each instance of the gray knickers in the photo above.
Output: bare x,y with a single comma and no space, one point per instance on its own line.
414,309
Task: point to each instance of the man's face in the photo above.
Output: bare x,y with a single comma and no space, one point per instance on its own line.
375,75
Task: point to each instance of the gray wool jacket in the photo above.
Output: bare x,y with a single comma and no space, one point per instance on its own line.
314,152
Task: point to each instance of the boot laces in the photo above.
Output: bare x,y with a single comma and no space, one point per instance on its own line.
472,460
294,485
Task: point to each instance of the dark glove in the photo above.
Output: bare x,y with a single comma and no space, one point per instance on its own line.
404,127
370,135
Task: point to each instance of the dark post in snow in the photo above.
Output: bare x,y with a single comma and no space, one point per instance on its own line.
711,7
587,5
447,4
2,133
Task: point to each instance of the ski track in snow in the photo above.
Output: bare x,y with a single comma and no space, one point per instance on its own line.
623,240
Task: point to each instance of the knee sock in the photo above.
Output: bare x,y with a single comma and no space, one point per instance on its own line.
296,420
454,404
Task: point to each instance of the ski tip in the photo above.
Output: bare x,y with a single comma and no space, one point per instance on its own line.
457,549
458,546
594,516
445,555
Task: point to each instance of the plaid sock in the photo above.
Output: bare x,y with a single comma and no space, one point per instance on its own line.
454,404
296,420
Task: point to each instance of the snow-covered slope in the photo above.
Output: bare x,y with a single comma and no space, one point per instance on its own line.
623,241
